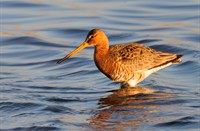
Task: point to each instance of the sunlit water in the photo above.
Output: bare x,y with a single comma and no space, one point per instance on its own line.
38,94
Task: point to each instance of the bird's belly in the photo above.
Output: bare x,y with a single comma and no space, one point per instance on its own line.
119,74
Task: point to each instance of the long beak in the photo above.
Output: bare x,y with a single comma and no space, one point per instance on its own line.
82,46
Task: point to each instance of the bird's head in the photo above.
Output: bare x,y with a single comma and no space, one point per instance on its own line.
94,38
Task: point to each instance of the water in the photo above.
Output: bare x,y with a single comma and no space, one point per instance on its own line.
38,94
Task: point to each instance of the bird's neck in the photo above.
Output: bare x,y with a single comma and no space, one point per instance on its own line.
100,54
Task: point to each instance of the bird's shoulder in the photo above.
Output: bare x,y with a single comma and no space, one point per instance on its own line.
130,51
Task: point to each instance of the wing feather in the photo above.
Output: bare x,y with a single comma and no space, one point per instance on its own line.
139,57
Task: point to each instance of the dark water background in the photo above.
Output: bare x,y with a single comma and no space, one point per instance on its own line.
37,94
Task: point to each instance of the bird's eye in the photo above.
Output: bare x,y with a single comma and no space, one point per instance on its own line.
91,36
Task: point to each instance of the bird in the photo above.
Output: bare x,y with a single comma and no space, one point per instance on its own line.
128,63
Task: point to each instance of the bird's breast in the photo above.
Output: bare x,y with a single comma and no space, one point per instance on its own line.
113,69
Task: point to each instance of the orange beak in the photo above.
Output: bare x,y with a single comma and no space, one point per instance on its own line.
82,46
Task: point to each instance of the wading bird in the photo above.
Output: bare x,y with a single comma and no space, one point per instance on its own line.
125,63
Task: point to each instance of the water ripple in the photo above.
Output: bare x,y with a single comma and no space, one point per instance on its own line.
20,4
38,94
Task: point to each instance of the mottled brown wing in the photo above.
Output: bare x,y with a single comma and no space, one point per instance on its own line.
139,57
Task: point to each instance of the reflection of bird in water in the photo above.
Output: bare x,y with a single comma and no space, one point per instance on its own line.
118,95
126,63
129,108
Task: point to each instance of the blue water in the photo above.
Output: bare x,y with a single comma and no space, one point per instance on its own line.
37,94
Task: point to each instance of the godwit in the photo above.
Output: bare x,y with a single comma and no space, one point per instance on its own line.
125,63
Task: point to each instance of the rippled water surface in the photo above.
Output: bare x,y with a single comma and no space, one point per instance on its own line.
38,94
